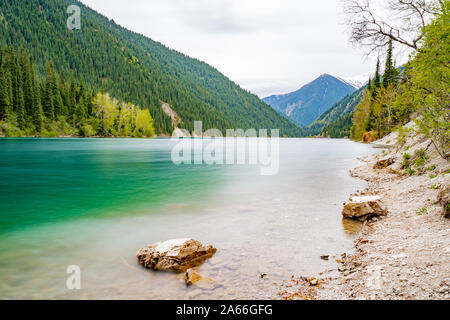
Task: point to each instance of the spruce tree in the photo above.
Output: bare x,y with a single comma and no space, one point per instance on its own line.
36,108
11,68
390,71
49,98
377,79
20,109
5,88
80,113
27,81
72,95
5,98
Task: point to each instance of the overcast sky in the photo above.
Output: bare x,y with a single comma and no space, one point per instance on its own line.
266,46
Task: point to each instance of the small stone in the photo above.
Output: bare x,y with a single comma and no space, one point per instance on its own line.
314,282
444,289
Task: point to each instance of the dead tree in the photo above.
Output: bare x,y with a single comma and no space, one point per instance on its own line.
373,23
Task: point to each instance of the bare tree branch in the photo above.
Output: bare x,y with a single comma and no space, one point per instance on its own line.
404,25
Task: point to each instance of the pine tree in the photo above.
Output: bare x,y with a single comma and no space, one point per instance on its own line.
5,88
20,109
390,71
11,68
27,85
64,93
5,98
377,79
49,98
36,108
80,113
72,95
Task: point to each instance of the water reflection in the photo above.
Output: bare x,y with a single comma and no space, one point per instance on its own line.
351,227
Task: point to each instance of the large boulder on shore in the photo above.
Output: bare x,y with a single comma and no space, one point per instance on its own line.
444,200
364,208
175,255
384,163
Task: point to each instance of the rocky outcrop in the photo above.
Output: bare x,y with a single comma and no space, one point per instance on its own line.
384,163
175,255
370,137
192,278
444,200
364,208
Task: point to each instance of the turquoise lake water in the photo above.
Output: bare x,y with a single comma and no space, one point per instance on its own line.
95,202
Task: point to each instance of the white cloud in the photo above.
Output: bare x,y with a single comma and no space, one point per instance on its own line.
266,46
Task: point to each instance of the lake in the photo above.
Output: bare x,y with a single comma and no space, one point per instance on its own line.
95,202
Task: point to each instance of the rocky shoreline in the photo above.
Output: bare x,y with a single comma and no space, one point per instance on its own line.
404,255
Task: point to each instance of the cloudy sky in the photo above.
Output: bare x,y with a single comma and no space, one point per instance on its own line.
267,46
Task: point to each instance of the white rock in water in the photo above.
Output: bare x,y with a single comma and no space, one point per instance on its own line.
364,207
176,255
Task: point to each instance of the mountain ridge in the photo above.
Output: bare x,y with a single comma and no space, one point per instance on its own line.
336,122
134,68
306,104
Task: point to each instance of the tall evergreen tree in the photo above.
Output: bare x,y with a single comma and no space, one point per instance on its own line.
11,68
49,98
5,98
72,95
390,71
5,87
377,79
27,81
20,109
369,85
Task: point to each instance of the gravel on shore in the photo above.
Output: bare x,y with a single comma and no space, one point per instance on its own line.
405,255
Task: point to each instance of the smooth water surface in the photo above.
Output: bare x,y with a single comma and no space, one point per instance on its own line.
95,202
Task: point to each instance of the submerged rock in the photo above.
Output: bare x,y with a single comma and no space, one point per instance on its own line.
175,255
192,278
364,208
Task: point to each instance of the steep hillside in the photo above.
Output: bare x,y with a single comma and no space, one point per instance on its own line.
132,67
337,121
312,100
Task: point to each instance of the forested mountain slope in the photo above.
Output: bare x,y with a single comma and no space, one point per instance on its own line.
132,67
337,121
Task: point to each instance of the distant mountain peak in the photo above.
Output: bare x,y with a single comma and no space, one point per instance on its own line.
313,99
358,81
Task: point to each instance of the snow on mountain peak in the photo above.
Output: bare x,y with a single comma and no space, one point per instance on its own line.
357,81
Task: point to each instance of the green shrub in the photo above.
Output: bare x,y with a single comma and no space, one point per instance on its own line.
422,211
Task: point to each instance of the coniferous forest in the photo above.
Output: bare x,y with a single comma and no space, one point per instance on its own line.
103,56
57,105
